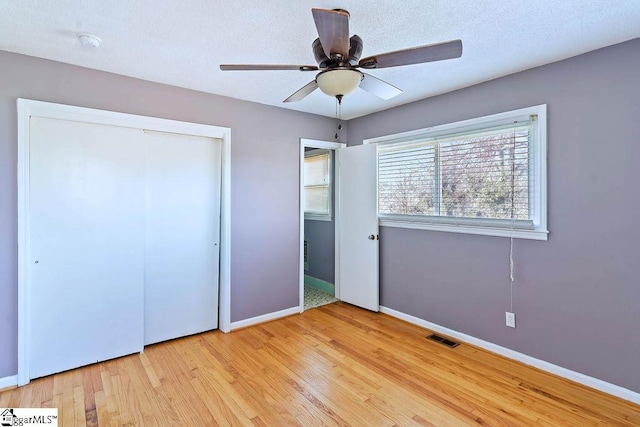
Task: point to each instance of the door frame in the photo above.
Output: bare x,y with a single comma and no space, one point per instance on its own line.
328,145
26,109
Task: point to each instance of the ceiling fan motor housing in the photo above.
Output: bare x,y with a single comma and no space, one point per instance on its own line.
355,51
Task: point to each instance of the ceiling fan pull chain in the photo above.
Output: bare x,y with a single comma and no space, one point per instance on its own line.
337,117
338,114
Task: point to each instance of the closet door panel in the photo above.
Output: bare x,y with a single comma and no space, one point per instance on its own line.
86,235
182,235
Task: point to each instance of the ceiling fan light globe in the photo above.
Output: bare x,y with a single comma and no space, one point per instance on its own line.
338,82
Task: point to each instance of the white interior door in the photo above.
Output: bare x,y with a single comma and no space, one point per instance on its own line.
182,235
86,244
358,222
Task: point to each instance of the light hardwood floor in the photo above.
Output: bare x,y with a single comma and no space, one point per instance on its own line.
333,365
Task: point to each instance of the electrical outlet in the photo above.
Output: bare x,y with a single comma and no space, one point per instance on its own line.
510,319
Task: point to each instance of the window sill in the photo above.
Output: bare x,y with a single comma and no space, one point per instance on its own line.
313,217
467,229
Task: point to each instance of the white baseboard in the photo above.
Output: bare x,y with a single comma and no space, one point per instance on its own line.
265,318
592,382
7,382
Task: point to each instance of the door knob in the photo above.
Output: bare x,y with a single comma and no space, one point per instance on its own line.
372,237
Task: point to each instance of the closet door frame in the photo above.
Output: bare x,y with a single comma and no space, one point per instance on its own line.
31,108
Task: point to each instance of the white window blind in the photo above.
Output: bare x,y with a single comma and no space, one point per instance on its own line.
317,185
487,175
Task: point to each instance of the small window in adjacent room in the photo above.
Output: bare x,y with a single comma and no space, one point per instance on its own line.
481,176
317,185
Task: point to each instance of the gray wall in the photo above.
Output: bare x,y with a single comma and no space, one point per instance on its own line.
321,240
577,295
265,174
320,237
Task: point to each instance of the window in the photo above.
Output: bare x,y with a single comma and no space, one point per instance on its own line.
481,176
317,185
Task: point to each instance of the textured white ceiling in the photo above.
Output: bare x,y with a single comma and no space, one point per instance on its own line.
182,43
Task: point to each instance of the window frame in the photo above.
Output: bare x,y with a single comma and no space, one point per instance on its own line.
321,216
483,226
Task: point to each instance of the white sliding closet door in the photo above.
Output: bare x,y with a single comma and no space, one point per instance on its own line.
182,235
86,240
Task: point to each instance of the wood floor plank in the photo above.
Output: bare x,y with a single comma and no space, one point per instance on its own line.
102,411
28,395
78,406
56,402
68,408
333,365
110,395
89,393
149,370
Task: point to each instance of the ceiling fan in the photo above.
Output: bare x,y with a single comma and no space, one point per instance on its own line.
338,57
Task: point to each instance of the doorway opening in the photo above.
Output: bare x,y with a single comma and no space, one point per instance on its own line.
319,206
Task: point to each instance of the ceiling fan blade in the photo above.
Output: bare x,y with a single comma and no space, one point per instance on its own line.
378,87
261,67
302,92
333,29
414,55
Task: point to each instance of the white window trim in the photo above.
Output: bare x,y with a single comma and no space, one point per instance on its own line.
479,226
317,217
320,216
